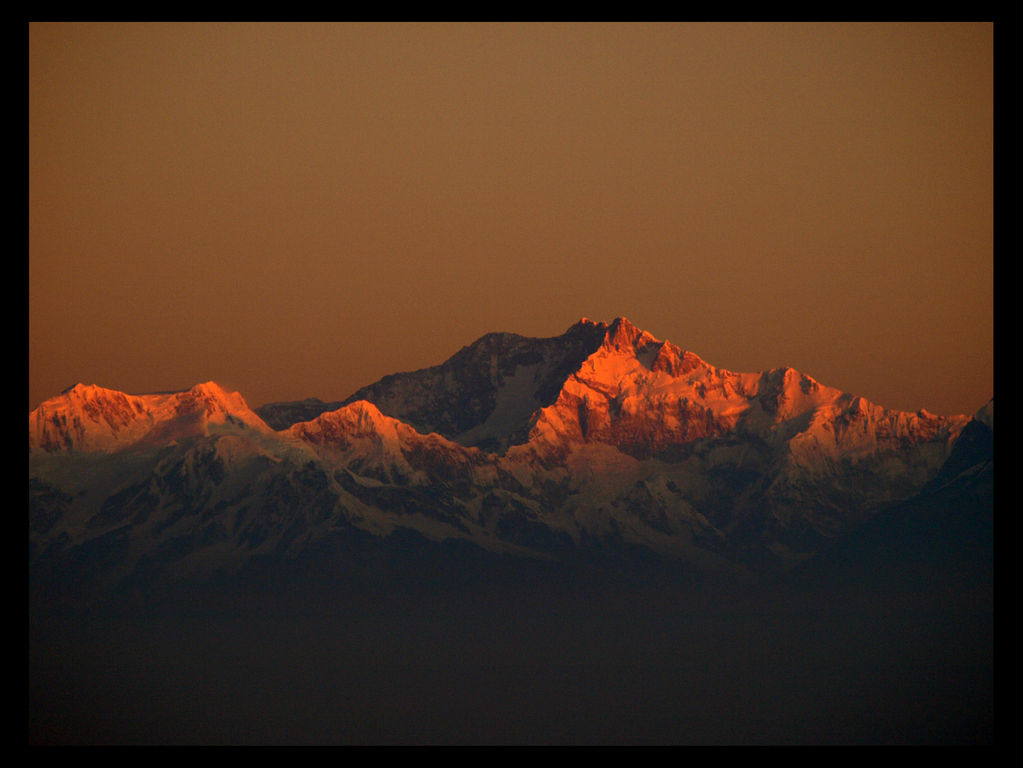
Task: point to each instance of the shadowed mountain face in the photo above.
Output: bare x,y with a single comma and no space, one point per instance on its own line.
592,538
482,396
943,535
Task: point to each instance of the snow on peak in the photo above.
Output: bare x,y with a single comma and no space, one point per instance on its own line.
340,427
92,418
86,392
220,403
366,416
622,334
372,444
210,389
643,396
79,389
674,361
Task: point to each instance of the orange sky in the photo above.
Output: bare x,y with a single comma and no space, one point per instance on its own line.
296,210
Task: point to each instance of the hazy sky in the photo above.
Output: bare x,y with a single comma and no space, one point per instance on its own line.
295,210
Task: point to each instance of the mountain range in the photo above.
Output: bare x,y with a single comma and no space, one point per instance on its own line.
601,439
594,538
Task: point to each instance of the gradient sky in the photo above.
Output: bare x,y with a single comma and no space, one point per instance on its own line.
295,210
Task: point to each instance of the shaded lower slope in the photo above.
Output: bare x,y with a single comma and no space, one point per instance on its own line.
942,536
409,642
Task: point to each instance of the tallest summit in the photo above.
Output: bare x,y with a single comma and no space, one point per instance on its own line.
623,335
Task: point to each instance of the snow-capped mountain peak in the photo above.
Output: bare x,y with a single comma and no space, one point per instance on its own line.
623,335
218,404
93,418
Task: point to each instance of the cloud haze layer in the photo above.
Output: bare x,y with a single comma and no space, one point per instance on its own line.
295,210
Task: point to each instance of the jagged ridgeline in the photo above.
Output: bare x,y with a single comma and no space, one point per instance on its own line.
601,440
